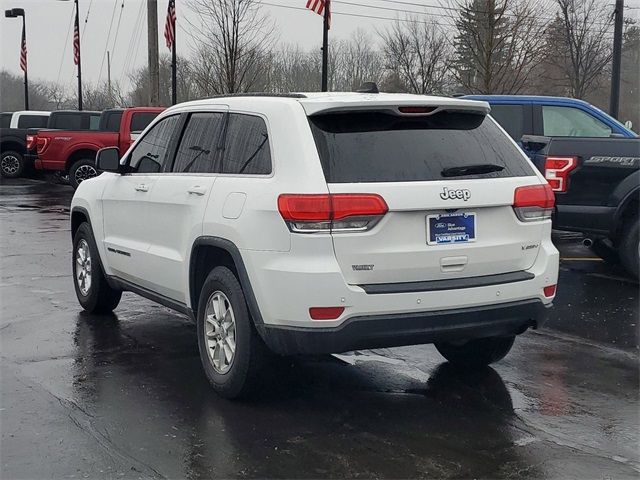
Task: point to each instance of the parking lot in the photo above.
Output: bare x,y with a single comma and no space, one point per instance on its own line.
124,396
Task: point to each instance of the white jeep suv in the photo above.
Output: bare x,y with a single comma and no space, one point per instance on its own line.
318,223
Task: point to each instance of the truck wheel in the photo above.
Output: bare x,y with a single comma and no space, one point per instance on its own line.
11,164
629,247
82,170
477,352
93,292
231,351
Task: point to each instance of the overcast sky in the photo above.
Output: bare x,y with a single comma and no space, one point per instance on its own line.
49,31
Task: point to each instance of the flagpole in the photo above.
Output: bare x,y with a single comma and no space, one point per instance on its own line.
174,75
26,80
79,58
325,46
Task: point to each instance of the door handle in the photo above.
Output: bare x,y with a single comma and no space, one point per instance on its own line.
141,187
197,190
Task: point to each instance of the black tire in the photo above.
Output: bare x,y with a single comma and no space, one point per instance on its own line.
251,354
99,296
629,247
11,164
604,250
82,170
478,352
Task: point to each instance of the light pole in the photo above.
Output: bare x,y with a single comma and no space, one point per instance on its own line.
14,13
76,50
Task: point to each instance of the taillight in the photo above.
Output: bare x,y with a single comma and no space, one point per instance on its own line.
31,141
556,171
345,212
533,202
549,290
41,144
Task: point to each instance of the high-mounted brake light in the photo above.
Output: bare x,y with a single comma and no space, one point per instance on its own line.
343,212
533,202
557,170
417,109
41,144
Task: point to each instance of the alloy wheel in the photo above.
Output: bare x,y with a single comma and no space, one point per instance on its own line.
85,172
83,267
220,332
10,164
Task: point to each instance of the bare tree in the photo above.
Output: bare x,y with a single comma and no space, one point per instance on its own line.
498,43
356,62
578,44
233,40
187,89
417,54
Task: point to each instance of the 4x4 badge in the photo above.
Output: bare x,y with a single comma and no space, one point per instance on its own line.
461,194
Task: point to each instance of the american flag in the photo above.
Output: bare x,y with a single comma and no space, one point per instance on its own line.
170,25
318,6
23,51
76,42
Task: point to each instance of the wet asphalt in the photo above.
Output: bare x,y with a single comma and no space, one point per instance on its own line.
123,396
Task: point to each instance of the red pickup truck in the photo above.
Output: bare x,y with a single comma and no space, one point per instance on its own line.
73,153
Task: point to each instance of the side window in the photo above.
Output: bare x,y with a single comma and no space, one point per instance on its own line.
199,144
511,118
5,120
246,149
571,122
150,154
140,121
112,122
68,121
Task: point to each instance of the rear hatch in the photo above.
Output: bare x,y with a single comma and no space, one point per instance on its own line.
448,177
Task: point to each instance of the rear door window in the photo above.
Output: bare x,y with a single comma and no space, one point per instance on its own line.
511,118
382,147
112,122
571,122
200,143
32,121
246,147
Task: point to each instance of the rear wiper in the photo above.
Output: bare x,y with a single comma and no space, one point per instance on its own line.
471,170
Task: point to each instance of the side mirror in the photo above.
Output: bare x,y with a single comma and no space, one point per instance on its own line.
108,160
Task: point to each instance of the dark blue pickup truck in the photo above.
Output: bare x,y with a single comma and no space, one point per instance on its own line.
591,161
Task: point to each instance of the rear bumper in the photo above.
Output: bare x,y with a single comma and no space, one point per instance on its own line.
379,331
31,159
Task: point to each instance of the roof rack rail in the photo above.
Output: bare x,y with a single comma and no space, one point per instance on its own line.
261,94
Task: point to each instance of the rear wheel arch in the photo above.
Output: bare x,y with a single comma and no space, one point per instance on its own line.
210,252
627,210
79,155
12,146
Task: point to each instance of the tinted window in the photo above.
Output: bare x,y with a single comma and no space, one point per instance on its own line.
94,122
112,122
5,120
571,122
511,118
68,121
199,144
382,147
150,154
246,147
140,121
32,121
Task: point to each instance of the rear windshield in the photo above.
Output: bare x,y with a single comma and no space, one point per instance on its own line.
67,121
383,147
32,121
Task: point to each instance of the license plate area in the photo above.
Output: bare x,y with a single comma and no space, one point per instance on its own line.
451,228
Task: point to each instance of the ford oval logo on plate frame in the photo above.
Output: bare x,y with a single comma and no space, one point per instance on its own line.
450,228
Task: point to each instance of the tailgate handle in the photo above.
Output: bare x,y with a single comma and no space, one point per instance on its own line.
453,264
